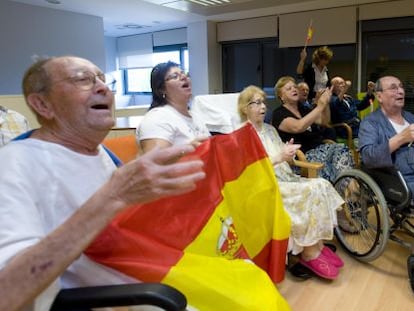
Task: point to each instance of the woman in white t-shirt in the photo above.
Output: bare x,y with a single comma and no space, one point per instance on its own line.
169,121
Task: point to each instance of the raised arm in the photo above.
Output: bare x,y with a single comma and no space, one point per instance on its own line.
317,115
301,64
324,99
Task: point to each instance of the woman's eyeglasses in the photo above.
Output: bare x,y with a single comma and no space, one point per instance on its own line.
176,75
256,103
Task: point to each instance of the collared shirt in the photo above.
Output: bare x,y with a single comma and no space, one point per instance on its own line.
12,124
321,78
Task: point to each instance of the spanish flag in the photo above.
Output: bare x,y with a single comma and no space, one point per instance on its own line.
309,34
223,245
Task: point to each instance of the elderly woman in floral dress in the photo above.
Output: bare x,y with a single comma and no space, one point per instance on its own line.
311,203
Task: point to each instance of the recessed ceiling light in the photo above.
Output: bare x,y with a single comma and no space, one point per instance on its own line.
53,1
130,26
210,2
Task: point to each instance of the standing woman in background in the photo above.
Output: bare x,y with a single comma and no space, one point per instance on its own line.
316,73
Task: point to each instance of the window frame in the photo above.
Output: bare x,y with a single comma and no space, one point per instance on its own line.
181,48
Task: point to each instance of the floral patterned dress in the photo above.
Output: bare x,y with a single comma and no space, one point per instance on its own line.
310,202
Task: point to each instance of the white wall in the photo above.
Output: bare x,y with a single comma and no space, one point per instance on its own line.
27,30
111,56
204,54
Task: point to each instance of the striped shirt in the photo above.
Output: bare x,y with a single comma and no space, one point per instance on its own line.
12,124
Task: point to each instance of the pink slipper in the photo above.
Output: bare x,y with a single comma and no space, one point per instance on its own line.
322,267
332,257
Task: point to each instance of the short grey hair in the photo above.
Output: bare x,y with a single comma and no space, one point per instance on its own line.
378,85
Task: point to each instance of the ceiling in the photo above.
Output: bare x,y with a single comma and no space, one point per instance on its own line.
129,17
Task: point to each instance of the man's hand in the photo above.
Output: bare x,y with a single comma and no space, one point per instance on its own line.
154,175
198,141
407,135
370,87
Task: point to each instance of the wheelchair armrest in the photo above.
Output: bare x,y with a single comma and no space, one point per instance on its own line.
329,141
349,140
308,169
392,185
154,294
348,130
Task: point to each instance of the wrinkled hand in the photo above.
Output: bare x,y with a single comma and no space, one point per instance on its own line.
303,54
323,97
198,141
153,176
370,87
289,150
348,84
407,135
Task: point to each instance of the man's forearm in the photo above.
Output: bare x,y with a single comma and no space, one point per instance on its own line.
42,263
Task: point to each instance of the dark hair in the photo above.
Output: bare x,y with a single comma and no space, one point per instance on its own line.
158,83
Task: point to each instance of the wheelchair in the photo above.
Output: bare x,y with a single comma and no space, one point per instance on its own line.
87,298
377,206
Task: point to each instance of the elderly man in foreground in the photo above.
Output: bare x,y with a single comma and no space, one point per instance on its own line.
60,187
386,135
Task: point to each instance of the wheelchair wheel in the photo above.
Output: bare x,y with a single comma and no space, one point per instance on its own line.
410,268
365,209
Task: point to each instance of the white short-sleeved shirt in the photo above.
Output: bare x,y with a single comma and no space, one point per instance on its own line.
42,184
168,124
321,78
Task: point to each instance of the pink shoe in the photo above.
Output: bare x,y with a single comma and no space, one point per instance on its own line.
322,267
332,257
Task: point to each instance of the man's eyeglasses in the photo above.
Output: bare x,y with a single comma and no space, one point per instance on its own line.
393,88
256,103
86,80
176,75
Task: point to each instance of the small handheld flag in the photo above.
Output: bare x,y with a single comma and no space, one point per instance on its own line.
309,34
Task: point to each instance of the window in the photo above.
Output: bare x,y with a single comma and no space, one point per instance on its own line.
137,80
388,49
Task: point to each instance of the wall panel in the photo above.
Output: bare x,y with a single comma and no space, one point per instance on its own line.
330,26
251,28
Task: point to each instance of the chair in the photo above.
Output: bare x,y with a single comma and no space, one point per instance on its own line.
124,147
348,141
217,111
154,294
377,204
307,169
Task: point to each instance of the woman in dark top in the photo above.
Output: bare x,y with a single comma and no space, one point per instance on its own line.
292,120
